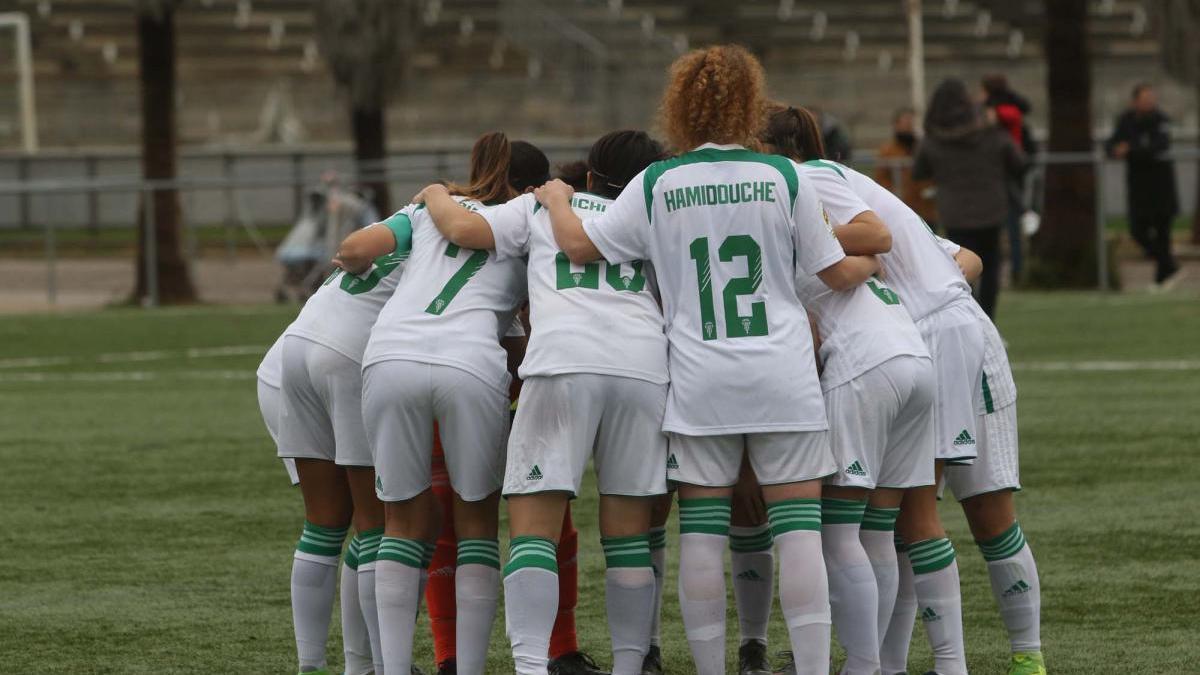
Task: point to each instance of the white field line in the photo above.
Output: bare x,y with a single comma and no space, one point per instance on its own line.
1105,366
126,376
134,357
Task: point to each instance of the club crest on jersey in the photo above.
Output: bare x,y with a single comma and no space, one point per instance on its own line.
746,325
626,281
577,276
709,327
439,304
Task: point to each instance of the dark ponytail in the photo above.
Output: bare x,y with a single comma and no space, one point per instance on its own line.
618,156
794,131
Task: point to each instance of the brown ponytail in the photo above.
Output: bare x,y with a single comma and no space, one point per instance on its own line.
490,158
794,132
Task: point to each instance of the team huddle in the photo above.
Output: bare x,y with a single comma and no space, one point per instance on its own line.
770,338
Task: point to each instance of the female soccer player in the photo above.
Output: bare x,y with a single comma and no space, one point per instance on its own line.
586,394
723,227
321,427
435,355
879,392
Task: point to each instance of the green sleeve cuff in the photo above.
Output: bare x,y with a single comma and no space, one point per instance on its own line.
401,228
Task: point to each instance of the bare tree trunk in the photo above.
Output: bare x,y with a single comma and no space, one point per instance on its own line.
156,61
369,126
1064,250
1196,208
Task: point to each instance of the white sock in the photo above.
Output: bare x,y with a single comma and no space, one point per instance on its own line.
1016,587
803,583
314,583
893,652
476,593
370,614
853,595
530,602
935,581
398,597
703,536
629,600
658,560
356,642
752,554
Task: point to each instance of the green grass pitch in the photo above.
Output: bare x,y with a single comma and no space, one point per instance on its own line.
147,528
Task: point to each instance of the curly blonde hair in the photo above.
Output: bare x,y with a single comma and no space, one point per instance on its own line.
715,95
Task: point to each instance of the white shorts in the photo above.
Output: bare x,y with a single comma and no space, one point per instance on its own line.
997,467
321,414
402,400
564,420
881,425
996,388
776,457
269,404
955,340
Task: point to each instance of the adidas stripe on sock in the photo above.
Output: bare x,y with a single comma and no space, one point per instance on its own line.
477,552
853,591
313,586
476,595
1016,587
628,599
321,541
879,519
935,580
408,552
930,555
703,528
791,515
842,511
633,551
708,515
368,546
531,601
752,554
876,534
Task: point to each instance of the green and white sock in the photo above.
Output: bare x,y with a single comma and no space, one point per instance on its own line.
703,533
314,584
629,599
1016,587
368,550
939,601
530,601
893,653
356,640
658,558
399,564
803,582
876,534
752,554
853,594
477,593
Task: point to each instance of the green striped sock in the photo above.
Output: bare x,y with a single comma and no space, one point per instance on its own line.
1004,546
351,557
404,551
531,552
658,538
901,547
317,540
632,551
790,515
751,539
842,511
708,515
880,519
368,545
478,552
931,555
427,549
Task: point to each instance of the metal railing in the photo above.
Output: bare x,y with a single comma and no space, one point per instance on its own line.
408,173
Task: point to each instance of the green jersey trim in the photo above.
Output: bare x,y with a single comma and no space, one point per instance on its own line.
709,155
826,165
401,228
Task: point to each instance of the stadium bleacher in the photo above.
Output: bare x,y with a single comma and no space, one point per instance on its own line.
573,68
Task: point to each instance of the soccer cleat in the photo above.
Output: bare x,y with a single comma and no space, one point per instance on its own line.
652,664
787,663
574,663
447,667
752,658
1027,663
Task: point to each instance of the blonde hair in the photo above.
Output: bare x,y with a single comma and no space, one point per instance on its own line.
490,159
714,95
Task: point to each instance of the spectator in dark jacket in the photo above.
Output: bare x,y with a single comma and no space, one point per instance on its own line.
1142,137
971,161
1009,109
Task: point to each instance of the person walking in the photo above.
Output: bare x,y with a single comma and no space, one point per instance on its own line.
971,161
1141,136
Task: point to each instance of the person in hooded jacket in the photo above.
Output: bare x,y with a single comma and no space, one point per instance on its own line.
972,162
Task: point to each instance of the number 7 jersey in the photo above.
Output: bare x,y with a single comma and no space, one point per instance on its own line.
451,307
724,228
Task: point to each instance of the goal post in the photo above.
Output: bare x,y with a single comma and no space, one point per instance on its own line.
19,23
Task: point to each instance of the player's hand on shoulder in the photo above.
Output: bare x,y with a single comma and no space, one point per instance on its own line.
553,192
429,190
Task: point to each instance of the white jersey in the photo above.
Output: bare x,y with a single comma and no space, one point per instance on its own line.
724,228
860,328
596,318
270,371
451,307
920,272
343,310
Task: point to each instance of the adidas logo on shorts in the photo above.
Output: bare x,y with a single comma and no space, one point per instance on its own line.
964,438
671,462
855,469
534,474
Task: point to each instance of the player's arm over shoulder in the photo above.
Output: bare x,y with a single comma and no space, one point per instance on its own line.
358,250
460,226
859,230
